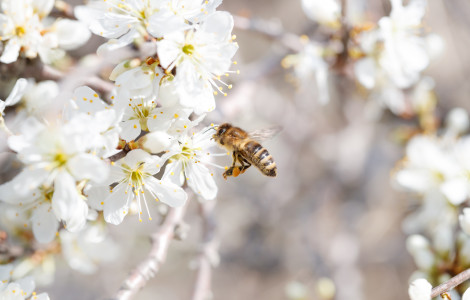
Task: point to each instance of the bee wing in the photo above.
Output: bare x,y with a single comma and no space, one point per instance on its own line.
265,134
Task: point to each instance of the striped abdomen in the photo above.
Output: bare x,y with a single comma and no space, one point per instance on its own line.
257,155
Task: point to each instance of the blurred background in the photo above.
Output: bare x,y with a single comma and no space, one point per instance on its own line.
329,226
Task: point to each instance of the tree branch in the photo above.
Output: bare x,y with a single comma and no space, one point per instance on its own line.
451,283
148,268
208,253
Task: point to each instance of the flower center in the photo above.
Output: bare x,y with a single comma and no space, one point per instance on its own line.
60,159
188,49
20,31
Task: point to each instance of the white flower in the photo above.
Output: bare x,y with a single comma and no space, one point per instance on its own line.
185,163
420,289
202,56
430,167
173,15
309,65
85,250
419,247
404,53
120,21
56,157
15,95
23,30
101,120
327,12
134,175
457,121
20,289
37,207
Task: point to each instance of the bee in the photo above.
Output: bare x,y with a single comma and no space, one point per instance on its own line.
246,149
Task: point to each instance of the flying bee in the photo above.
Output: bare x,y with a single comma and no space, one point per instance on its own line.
246,149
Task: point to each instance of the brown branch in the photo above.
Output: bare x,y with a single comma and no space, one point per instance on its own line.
148,268
451,283
205,261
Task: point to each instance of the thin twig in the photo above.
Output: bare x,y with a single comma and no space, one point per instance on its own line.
451,283
148,268
202,287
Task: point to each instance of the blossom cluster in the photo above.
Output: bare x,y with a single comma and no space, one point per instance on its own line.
436,169
386,58
101,155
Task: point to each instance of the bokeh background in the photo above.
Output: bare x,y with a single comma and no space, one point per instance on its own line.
329,226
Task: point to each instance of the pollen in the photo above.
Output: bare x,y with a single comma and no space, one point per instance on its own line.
154,116
230,86
176,116
215,93
135,126
235,62
226,168
84,99
102,203
95,95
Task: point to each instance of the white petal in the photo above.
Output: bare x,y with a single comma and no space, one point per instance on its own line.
17,93
134,158
97,195
65,195
174,173
420,289
167,192
116,206
87,166
169,48
418,180
456,190
157,141
43,7
115,44
130,129
71,34
27,284
10,52
466,295
164,22
365,70
5,271
45,223
25,183
201,180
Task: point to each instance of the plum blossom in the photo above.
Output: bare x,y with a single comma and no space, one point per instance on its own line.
85,250
202,57
309,65
26,29
136,183
395,54
20,289
186,160
431,167
56,157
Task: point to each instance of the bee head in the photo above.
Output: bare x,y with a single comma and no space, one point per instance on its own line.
221,129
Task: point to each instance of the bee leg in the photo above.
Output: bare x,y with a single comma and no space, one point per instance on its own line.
233,170
243,167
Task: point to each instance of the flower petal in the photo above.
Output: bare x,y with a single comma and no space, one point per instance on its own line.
45,223
116,206
87,166
166,192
